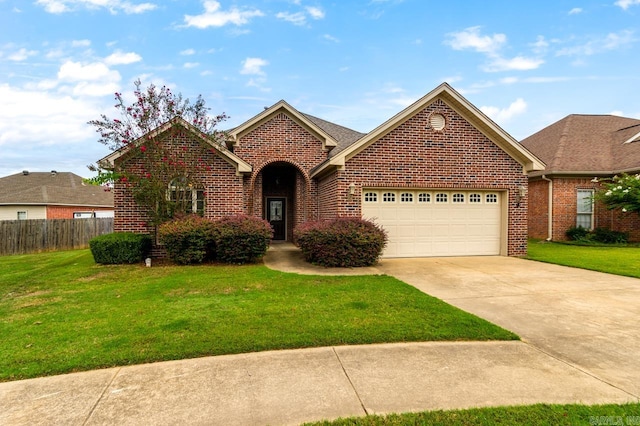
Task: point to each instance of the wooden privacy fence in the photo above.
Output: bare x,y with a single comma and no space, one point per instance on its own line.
28,236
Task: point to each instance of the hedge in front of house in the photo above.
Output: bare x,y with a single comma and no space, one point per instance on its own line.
341,242
242,238
120,247
189,239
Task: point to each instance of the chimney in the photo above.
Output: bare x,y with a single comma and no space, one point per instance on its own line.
25,172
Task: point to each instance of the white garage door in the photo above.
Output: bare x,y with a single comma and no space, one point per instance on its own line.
436,223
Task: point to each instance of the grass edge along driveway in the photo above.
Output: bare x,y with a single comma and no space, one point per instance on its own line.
613,260
60,313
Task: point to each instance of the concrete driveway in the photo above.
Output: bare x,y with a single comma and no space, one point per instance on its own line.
587,319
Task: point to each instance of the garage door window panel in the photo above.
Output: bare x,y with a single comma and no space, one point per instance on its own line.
442,197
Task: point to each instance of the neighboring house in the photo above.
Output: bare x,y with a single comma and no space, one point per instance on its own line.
440,176
52,195
576,150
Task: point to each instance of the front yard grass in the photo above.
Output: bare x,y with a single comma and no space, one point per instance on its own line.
60,312
614,260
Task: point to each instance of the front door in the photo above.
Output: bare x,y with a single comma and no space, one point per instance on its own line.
276,216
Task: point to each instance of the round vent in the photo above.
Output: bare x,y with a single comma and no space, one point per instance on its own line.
437,121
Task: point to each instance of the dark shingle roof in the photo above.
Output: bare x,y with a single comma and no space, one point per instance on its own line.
343,135
63,188
587,143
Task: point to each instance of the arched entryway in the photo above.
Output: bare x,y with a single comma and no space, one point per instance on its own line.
283,198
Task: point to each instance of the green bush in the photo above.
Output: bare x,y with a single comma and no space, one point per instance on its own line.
188,240
577,233
607,236
242,238
344,242
120,247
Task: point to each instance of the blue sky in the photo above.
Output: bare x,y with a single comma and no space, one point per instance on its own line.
526,64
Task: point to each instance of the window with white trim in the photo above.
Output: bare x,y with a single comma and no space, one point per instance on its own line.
22,215
584,214
457,198
475,198
491,198
406,197
424,197
371,197
389,197
442,197
186,197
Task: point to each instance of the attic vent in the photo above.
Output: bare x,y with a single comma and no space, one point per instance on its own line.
437,121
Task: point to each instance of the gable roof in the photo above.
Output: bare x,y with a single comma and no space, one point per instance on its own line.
327,132
458,103
588,144
55,188
240,165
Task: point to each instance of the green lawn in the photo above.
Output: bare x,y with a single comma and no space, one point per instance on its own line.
60,312
539,414
614,260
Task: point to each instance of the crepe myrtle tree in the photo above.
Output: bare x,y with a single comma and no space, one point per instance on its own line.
161,174
621,192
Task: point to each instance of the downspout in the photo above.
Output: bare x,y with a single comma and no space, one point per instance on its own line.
550,207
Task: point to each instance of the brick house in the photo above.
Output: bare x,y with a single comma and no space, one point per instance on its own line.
576,150
440,177
51,195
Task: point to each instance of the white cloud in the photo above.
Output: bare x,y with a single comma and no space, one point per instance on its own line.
21,55
35,117
625,4
189,65
575,11
297,18
519,106
93,79
81,43
188,52
213,16
617,112
490,46
121,58
611,41
470,38
114,6
253,66
315,12
519,63
329,37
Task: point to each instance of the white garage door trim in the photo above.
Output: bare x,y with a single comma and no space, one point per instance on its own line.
434,222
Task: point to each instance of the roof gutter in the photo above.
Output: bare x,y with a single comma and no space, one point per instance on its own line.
550,209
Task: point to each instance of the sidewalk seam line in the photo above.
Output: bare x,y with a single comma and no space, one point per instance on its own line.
95,405
582,370
344,370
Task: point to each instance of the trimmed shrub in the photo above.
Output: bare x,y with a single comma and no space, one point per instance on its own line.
242,238
343,242
577,233
188,240
607,236
120,247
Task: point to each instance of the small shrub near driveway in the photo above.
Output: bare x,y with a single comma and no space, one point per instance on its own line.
598,235
120,247
188,240
242,239
341,242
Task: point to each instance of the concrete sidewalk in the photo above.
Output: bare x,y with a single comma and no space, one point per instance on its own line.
543,303
295,386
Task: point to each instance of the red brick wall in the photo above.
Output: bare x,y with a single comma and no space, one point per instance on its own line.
414,155
565,210
282,140
538,209
66,212
224,190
